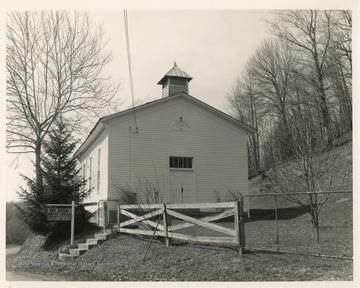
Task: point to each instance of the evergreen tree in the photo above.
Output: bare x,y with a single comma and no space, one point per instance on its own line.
61,184
62,179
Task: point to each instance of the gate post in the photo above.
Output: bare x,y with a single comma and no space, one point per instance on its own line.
242,226
239,226
118,217
167,223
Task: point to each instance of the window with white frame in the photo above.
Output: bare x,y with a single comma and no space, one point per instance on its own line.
176,162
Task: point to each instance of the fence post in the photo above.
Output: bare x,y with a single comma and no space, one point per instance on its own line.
239,226
167,223
242,227
118,217
277,225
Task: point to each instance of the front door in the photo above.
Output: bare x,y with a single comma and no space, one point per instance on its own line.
182,186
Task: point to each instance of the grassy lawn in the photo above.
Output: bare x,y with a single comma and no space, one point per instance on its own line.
296,234
123,259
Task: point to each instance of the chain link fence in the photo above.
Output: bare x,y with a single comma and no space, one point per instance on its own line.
319,223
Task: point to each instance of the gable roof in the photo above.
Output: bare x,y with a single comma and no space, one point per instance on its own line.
100,125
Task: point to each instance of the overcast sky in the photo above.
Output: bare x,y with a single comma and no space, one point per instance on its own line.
210,45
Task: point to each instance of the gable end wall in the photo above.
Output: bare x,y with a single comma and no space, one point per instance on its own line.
219,149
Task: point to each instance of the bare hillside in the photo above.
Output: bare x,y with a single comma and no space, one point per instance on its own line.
342,169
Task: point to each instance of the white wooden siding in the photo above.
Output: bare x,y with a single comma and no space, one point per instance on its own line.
218,146
176,89
100,143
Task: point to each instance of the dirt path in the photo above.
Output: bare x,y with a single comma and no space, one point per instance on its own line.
24,276
16,276
12,250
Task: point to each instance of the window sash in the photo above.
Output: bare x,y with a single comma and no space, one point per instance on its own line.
176,162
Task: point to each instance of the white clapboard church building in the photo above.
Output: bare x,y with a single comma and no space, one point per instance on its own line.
179,148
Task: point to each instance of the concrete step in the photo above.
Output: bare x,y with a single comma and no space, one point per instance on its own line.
66,257
102,236
98,239
94,241
108,231
77,252
113,232
86,246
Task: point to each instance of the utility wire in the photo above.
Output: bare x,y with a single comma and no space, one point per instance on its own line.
129,62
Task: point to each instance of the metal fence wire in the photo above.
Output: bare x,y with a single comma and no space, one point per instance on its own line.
282,223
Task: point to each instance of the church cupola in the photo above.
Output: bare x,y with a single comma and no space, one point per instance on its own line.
174,82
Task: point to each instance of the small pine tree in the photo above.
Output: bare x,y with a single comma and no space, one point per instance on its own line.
62,184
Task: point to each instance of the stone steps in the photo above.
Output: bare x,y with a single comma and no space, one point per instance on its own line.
102,236
94,241
77,252
90,243
86,246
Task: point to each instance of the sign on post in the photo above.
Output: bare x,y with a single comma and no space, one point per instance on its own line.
56,213
62,212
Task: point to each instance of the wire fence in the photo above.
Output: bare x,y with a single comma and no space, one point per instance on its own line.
283,223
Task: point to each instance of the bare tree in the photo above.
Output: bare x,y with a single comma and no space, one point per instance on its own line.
341,24
340,73
308,170
311,32
55,63
262,98
242,105
272,68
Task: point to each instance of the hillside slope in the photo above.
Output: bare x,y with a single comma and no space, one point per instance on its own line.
343,171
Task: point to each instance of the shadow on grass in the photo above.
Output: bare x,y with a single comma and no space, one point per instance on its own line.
180,243
282,213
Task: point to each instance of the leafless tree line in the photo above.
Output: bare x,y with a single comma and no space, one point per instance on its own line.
296,88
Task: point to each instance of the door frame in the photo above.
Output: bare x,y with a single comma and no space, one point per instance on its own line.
169,175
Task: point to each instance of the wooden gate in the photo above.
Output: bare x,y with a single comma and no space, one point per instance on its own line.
167,220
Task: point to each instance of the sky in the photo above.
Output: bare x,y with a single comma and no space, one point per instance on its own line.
212,44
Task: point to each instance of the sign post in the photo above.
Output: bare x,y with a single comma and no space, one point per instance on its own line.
62,212
72,222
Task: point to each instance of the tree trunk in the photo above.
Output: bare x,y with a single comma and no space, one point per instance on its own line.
325,112
38,170
322,95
